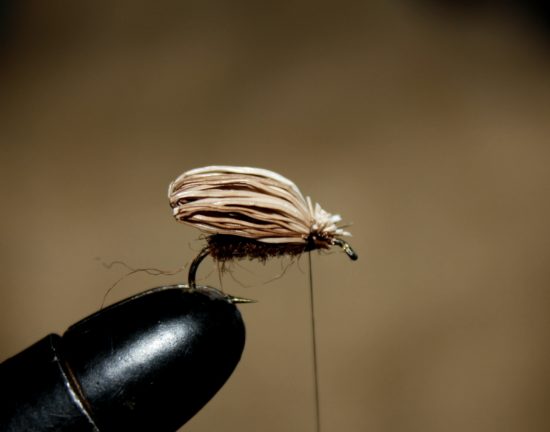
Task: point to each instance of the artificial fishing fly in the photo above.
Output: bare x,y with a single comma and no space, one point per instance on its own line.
251,213
254,213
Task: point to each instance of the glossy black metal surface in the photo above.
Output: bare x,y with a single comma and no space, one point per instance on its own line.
34,392
147,363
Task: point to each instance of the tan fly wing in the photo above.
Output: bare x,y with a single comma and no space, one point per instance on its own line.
246,202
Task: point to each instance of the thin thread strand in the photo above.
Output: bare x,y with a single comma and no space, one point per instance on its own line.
314,347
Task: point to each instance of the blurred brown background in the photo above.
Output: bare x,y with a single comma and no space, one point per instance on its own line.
425,126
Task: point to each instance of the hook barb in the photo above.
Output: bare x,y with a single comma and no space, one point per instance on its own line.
237,300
